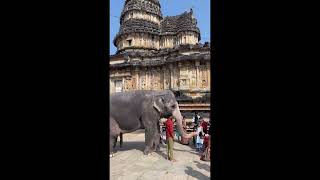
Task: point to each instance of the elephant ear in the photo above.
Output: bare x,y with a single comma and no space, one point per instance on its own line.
157,102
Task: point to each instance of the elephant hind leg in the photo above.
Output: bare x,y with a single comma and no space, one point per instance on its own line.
121,138
114,133
115,142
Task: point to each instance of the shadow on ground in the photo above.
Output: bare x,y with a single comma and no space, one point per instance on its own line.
139,145
196,174
196,153
202,166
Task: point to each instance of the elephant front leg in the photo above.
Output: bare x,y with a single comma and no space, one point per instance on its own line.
156,143
149,141
158,137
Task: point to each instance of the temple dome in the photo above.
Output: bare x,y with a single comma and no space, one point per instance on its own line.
148,6
142,26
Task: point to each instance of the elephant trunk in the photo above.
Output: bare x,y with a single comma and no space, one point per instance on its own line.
177,115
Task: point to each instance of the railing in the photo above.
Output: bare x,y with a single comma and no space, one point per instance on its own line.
186,107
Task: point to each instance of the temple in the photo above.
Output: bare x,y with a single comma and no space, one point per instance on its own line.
156,53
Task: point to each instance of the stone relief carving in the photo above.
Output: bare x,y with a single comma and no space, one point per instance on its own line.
193,77
183,82
166,79
128,84
134,84
193,82
204,83
184,72
143,82
156,80
166,85
204,78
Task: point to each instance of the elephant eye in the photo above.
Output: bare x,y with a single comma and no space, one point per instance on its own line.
173,106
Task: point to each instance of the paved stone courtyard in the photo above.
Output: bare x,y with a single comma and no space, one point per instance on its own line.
129,162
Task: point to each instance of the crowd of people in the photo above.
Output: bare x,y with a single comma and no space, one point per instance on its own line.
201,140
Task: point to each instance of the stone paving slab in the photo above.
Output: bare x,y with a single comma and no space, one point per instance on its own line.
129,162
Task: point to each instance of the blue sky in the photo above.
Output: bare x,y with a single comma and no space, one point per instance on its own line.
201,10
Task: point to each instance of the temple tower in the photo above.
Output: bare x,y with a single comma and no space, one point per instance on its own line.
139,26
142,28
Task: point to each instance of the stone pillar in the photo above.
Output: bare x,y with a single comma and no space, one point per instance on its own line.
123,84
198,83
209,75
159,78
177,77
164,77
188,38
136,75
110,87
147,79
171,75
151,78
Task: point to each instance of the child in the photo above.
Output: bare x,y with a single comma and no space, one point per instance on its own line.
199,138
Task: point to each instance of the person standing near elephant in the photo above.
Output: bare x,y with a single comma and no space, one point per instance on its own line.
196,118
204,125
199,138
184,123
169,137
195,122
184,127
184,141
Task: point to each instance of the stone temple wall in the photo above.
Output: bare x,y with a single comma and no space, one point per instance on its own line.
191,76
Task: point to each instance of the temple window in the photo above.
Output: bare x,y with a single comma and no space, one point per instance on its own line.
129,42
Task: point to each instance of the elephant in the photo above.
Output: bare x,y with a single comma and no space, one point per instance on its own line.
142,109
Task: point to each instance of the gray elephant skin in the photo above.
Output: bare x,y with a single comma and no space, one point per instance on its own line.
142,109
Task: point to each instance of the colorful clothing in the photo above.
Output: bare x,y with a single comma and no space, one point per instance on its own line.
199,140
170,148
205,127
169,128
206,154
169,137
